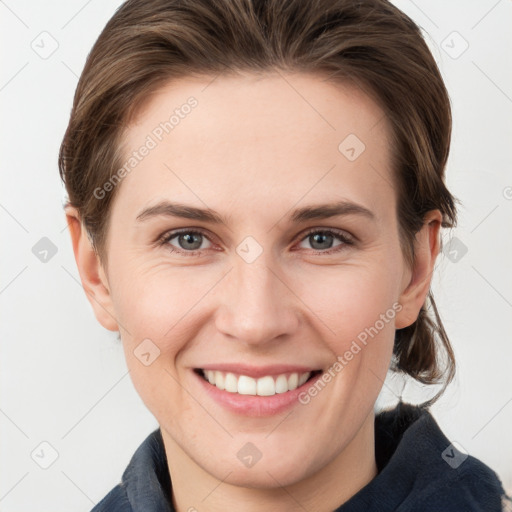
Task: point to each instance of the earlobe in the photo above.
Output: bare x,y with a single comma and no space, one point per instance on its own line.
92,274
426,250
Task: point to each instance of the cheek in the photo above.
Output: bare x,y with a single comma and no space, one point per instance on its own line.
161,311
157,314
155,302
357,308
348,300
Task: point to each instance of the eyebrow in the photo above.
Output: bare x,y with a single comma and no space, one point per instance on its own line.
314,212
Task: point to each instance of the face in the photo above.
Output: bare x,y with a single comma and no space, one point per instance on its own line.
268,289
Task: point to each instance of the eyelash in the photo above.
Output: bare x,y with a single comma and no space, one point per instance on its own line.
342,236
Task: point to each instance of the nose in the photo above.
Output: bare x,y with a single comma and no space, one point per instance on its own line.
257,304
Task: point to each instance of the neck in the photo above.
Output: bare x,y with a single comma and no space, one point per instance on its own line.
323,491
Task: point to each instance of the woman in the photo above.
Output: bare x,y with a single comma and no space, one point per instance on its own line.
256,193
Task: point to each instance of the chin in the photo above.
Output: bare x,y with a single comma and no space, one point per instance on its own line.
271,470
265,476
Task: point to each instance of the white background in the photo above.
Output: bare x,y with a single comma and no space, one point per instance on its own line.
63,377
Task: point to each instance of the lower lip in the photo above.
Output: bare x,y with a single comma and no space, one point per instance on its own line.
252,405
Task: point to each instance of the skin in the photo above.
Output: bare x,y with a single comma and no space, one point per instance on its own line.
255,148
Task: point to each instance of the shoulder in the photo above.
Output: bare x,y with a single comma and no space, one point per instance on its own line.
472,487
423,471
454,480
115,501
145,484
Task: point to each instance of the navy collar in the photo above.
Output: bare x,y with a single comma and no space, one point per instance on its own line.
415,463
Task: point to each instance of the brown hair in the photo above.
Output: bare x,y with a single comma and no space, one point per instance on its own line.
370,43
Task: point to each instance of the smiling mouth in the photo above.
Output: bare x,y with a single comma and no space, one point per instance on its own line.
264,386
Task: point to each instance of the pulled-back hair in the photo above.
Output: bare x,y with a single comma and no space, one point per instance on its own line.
369,43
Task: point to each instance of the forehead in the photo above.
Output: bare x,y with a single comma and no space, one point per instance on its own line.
250,139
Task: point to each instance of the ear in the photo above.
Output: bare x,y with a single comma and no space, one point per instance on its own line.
92,274
418,278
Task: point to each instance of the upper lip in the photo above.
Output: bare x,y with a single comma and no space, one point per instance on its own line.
257,371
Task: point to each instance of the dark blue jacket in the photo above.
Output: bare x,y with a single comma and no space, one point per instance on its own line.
419,470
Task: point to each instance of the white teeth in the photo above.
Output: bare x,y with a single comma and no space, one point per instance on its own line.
293,381
246,385
281,384
219,380
303,378
230,383
264,386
